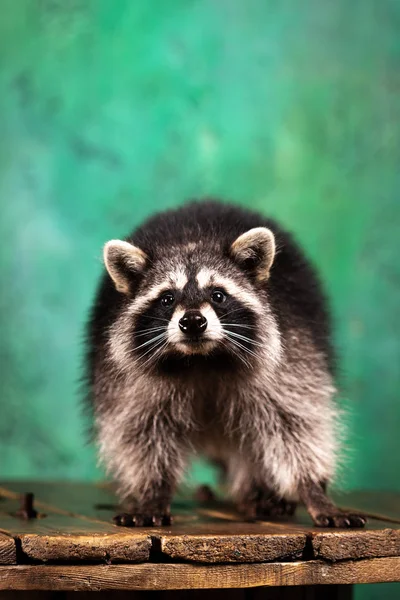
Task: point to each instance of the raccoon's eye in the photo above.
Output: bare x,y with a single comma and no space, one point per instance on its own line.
218,297
167,299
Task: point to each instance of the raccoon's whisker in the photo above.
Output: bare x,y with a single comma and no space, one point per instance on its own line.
240,337
158,341
237,354
157,352
244,338
157,337
150,350
239,345
175,337
236,325
247,350
143,332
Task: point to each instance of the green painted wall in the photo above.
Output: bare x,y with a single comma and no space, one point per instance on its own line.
110,110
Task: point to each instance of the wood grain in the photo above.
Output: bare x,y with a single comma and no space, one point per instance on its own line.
106,548
7,550
242,542
62,535
70,539
356,544
299,592
198,534
59,538
378,539
152,576
78,527
218,542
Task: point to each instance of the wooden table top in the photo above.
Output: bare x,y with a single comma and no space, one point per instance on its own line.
74,545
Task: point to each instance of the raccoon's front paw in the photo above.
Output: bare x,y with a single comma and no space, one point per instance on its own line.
142,520
339,519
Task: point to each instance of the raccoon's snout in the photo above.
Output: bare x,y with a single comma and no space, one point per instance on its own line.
193,323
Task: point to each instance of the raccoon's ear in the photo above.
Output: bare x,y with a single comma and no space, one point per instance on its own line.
122,260
255,251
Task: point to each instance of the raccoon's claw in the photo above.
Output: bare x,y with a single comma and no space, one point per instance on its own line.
142,520
339,519
161,520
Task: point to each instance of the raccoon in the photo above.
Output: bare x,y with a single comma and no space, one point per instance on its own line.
210,335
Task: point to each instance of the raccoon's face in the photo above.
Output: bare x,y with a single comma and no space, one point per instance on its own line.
194,301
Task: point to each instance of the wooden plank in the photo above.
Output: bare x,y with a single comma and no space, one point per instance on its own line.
64,538
356,544
197,535
108,548
58,524
215,542
297,592
42,595
233,542
7,550
378,540
79,526
98,500
79,499
159,576
316,592
95,502
58,537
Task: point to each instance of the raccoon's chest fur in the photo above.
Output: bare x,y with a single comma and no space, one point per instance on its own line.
224,411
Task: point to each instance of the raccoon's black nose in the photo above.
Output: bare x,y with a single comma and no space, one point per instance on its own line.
193,322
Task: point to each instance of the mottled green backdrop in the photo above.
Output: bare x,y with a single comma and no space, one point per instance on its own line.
110,110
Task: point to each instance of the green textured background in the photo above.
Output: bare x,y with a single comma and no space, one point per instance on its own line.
110,110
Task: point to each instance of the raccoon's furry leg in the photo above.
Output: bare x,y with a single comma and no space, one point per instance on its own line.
323,511
144,445
148,477
291,453
255,499
262,503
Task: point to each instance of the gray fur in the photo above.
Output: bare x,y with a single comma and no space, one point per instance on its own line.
273,422
153,423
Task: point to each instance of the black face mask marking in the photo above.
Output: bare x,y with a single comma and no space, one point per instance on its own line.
228,326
